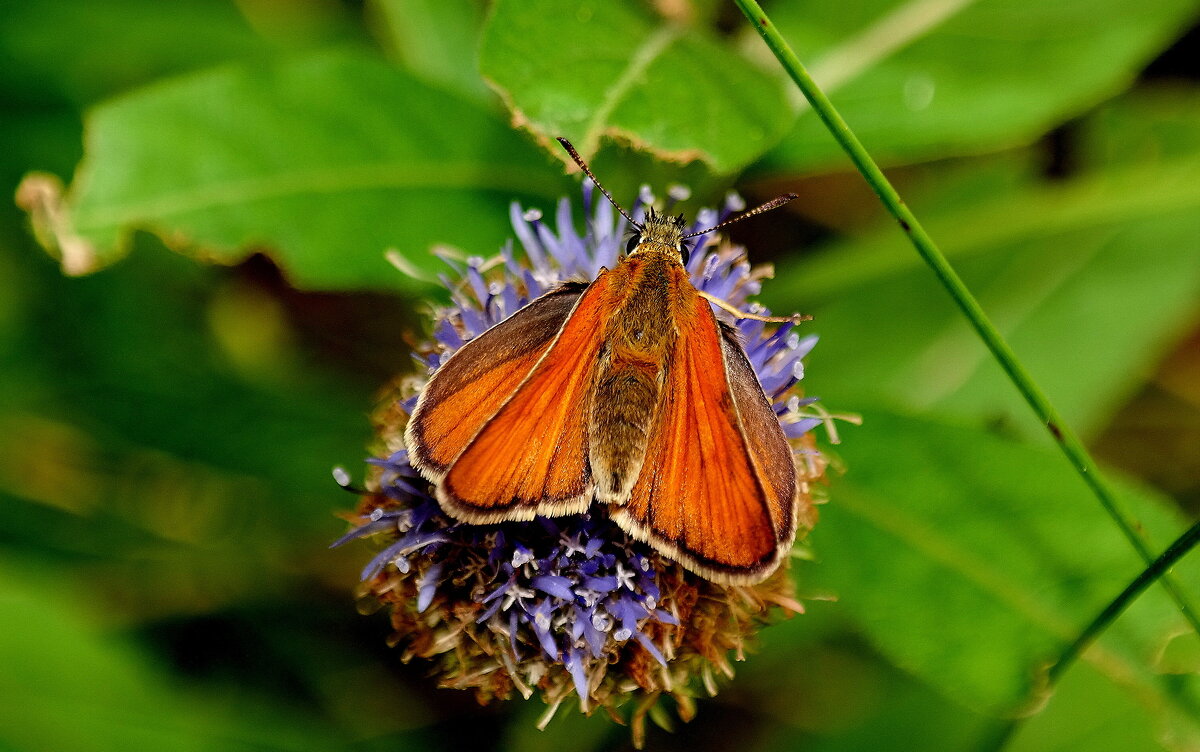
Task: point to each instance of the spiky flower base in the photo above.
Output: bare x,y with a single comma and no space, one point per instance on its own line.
571,607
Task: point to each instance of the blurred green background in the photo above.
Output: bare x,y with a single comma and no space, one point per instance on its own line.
168,421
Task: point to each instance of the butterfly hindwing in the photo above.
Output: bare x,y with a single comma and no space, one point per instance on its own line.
766,444
706,495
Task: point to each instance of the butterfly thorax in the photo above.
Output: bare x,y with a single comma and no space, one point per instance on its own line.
652,305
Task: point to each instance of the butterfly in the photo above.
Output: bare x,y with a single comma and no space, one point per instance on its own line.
626,393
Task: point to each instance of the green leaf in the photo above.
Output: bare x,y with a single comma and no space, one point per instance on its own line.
184,490
67,49
971,561
136,439
605,69
921,79
838,695
55,50
437,40
1090,281
324,162
1152,126
1089,710
67,687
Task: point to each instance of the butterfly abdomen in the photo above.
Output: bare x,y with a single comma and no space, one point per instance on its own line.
625,398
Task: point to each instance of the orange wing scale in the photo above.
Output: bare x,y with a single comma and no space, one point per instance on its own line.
701,494
474,383
531,457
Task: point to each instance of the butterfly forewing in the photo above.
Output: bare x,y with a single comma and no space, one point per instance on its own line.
531,457
474,383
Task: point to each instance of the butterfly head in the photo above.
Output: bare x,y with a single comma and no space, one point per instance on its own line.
659,234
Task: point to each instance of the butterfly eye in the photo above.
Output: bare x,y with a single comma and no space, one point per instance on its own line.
685,253
633,243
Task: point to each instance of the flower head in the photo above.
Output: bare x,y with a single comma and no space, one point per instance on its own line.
571,606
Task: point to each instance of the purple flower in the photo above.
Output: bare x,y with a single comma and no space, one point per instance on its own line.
571,605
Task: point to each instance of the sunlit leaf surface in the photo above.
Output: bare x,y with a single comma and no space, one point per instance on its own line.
623,74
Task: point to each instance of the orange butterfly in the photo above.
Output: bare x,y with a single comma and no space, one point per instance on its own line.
627,391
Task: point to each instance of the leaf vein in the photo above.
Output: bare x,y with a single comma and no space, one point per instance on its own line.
641,59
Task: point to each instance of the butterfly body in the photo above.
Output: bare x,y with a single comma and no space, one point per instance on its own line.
650,308
627,393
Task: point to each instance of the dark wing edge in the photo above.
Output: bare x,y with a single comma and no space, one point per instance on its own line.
767,444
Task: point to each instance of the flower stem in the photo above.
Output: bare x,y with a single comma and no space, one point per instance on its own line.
1067,440
1176,551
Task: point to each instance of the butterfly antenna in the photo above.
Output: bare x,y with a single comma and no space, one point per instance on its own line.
774,203
583,166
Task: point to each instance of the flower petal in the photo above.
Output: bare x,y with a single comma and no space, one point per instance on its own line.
556,585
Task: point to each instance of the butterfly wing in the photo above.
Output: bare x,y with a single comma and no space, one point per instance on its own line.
717,487
474,383
766,442
531,456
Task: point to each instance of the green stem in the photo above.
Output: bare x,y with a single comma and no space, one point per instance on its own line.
1067,440
1174,553
1067,658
